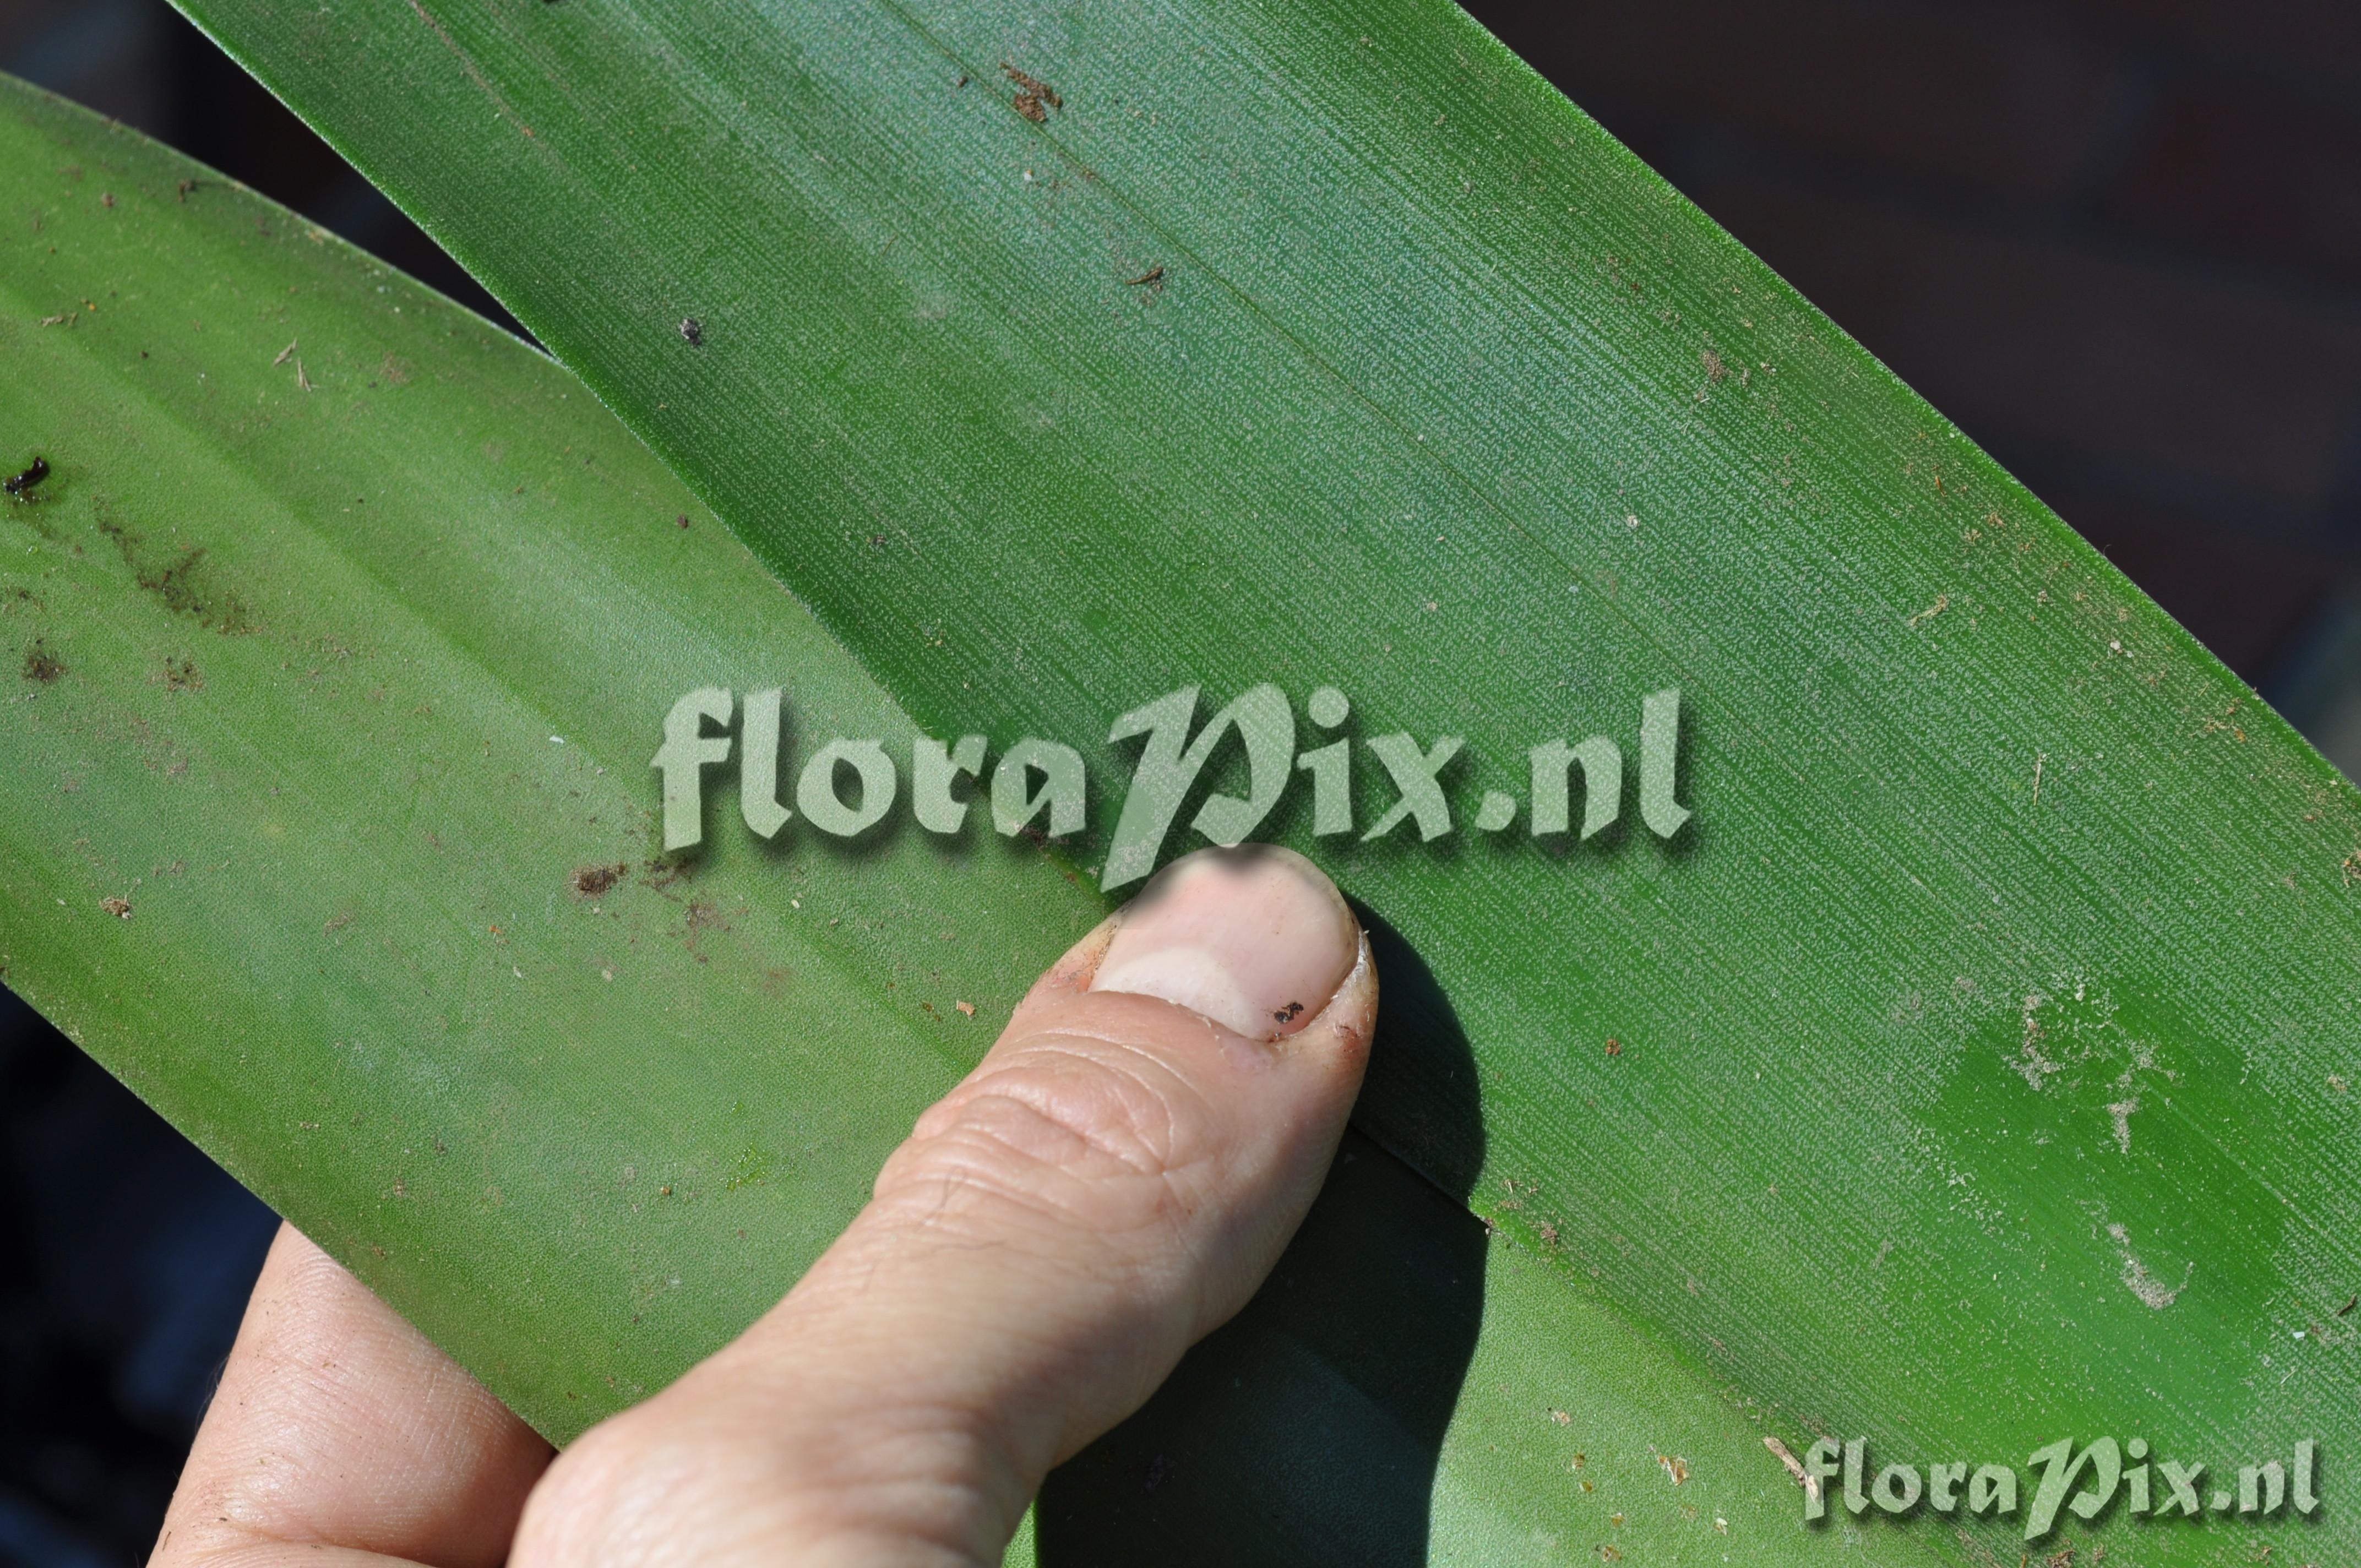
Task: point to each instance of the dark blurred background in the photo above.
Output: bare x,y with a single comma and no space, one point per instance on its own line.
2119,241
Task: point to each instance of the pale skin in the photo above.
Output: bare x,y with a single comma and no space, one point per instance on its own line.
1108,1185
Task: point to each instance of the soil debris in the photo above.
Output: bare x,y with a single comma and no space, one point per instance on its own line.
179,675
1289,1014
703,915
185,188
692,332
1614,1047
1151,279
187,586
1032,92
589,882
967,1008
2350,1302
1675,1466
41,666
118,907
21,485
1715,370
1942,602
176,585
284,354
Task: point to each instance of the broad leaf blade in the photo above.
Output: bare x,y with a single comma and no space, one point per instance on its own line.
335,630
355,608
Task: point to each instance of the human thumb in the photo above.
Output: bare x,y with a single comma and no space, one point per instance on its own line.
1109,1185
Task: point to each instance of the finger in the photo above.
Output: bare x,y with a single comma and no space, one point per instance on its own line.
1110,1184
339,1430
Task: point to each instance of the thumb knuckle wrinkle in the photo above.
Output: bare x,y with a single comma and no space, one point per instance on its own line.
1085,1105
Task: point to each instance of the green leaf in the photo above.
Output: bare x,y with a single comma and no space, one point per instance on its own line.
1981,1045
335,633
351,612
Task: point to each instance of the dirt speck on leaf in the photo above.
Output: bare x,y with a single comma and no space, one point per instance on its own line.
1032,87
184,583
182,587
118,907
703,915
692,332
41,666
589,882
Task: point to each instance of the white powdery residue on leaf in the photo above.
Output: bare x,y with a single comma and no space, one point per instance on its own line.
2123,1111
2152,1291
